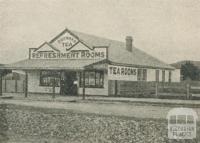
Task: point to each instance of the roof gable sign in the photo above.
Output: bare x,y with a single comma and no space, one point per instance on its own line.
46,47
75,50
66,40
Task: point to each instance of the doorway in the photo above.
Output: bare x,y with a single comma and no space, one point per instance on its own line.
68,84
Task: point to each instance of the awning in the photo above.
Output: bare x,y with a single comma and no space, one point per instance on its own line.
34,64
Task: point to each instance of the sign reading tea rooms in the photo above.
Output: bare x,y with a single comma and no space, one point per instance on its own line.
67,46
122,73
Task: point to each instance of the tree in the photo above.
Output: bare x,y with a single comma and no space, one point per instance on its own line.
190,71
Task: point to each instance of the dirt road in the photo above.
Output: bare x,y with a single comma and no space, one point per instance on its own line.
106,108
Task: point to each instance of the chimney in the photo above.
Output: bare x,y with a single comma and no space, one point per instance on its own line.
129,43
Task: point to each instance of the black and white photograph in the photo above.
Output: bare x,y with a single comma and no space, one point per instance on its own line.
99,71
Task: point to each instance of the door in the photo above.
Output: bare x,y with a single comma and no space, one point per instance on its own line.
67,83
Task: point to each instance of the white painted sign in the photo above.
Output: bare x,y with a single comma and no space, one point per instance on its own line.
65,42
67,46
122,73
182,123
79,51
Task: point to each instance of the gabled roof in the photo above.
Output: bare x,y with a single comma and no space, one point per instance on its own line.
118,54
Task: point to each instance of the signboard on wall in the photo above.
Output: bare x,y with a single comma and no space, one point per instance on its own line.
65,42
67,46
97,53
122,73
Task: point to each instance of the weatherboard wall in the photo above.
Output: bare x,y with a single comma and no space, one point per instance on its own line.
176,75
35,87
34,84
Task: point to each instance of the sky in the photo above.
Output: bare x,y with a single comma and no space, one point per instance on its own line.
166,29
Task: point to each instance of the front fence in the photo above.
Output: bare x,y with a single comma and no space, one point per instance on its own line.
132,89
13,86
181,90
173,90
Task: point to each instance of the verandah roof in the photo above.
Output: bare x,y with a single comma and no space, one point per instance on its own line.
34,64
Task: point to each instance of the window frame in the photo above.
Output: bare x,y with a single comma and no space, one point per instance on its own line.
157,72
51,75
101,77
163,75
170,77
141,74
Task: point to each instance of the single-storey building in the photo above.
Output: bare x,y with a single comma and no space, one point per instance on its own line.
79,63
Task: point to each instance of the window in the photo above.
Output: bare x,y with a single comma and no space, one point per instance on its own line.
190,119
47,78
142,75
181,119
170,76
157,75
163,76
173,119
92,79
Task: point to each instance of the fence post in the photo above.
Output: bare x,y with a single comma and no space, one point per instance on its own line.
83,85
26,84
156,90
1,84
188,91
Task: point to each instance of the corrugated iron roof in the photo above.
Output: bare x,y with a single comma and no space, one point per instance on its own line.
57,64
117,52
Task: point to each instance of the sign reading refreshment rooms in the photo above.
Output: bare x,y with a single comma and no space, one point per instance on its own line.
79,54
67,46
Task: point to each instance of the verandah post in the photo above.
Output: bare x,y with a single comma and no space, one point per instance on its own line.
84,85
116,88
156,89
15,85
26,84
188,91
1,84
5,85
54,86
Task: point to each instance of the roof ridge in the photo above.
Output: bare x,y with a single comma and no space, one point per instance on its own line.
110,41
96,36
151,56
